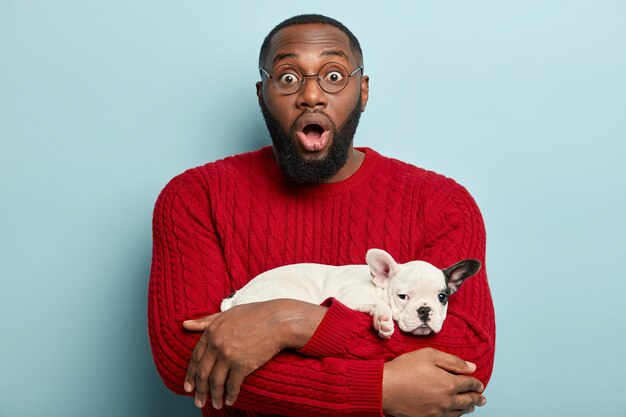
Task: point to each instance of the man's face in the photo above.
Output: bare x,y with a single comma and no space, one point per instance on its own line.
312,130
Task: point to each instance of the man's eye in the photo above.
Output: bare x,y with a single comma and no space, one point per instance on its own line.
334,76
288,78
402,296
443,298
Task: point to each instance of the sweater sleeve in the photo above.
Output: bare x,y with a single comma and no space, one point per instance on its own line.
189,278
454,230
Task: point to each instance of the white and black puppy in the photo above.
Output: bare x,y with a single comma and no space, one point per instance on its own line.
414,294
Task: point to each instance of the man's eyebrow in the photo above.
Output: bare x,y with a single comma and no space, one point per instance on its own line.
280,57
335,52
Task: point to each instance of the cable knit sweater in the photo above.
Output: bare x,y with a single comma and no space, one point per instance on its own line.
219,225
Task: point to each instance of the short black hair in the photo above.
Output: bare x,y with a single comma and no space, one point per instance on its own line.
302,19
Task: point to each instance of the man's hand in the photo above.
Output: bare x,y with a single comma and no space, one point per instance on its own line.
242,339
429,383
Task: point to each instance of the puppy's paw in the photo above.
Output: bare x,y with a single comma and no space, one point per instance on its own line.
384,325
385,334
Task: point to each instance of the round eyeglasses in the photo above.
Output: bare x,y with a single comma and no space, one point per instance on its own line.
332,77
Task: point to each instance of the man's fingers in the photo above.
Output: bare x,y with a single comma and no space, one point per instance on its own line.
453,364
196,356
469,384
217,380
202,373
469,410
468,401
199,325
200,399
235,379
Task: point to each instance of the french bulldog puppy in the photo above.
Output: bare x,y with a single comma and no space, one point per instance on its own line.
414,294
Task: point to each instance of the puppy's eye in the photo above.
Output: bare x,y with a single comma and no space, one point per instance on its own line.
402,296
443,298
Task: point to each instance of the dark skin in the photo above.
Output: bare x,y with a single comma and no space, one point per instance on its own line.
235,343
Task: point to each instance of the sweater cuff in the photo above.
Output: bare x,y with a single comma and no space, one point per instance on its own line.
336,331
365,379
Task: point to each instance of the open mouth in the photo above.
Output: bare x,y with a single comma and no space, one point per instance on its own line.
313,132
313,138
422,330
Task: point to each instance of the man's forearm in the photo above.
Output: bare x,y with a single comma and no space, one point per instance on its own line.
236,342
286,382
299,322
345,333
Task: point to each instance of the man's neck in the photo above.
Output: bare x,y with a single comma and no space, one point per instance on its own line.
352,165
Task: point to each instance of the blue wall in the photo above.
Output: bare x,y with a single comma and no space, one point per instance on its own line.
101,103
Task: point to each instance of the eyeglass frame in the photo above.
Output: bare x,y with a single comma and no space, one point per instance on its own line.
305,76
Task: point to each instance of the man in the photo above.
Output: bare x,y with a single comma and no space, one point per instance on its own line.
312,197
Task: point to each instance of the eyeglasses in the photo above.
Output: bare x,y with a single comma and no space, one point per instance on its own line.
332,77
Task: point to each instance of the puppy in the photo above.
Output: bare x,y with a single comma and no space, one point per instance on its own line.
414,294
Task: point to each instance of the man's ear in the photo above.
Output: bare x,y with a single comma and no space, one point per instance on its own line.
459,272
382,266
259,91
365,91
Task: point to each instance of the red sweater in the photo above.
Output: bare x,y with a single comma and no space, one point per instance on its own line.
219,225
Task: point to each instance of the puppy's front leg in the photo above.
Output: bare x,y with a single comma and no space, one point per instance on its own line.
382,318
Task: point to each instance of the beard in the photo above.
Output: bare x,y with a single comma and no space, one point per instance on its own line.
310,171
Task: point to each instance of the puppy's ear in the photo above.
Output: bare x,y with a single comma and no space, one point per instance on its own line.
382,266
459,272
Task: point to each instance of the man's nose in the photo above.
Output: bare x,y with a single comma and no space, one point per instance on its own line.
311,94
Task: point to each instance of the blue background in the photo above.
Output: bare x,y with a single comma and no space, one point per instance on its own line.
101,103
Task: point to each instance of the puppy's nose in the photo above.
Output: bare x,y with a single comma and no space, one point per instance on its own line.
423,313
